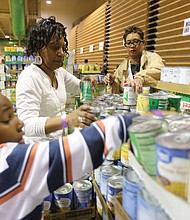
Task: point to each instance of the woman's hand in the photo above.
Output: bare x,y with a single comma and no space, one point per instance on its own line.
109,79
80,117
137,85
93,81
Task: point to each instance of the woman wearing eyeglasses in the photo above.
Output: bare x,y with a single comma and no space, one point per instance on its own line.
140,68
41,90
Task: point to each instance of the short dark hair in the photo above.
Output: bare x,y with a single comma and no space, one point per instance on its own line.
133,29
41,33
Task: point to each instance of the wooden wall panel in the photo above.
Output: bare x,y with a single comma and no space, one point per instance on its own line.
91,31
123,14
170,44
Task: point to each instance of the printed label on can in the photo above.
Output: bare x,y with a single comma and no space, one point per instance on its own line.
142,136
172,155
147,205
106,172
87,92
114,186
129,96
131,187
64,197
142,103
83,192
125,154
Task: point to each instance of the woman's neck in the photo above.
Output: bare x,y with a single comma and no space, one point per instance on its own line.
135,61
51,75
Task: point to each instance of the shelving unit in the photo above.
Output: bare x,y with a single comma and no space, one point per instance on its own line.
173,87
102,200
175,207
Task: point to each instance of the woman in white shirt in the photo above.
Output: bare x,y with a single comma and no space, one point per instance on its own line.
41,88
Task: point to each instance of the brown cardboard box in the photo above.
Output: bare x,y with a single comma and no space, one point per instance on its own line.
80,214
120,213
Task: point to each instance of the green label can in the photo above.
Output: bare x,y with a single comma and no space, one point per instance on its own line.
142,136
87,92
174,102
77,101
158,102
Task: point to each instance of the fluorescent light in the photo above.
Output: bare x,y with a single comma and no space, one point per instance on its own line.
6,36
48,2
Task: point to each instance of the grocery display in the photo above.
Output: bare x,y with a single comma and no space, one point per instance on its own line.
148,178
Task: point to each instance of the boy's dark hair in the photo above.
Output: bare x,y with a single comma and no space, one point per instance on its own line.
41,33
133,29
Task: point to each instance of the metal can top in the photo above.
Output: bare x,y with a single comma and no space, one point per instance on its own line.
131,176
82,185
149,198
65,189
147,126
172,117
116,182
179,140
142,118
110,170
182,124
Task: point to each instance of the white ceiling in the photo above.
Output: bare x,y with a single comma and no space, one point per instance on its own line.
66,11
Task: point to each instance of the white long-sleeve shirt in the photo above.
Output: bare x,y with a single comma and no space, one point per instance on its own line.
29,173
36,100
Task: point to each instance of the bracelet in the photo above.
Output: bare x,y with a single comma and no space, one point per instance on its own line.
63,120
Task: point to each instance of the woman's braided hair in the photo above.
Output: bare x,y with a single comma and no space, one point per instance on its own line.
42,32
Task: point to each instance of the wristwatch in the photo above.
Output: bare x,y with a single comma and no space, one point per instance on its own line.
63,120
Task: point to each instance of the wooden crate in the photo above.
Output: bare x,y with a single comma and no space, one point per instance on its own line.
120,213
79,214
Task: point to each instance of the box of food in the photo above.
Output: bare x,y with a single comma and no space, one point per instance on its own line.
79,214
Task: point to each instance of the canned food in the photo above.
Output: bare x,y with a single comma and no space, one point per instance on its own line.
83,192
115,184
95,111
172,155
129,96
142,136
97,172
125,153
171,117
47,205
87,92
131,187
147,205
182,124
63,197
158,102
106,172
143,118
77,102
142,103
174,102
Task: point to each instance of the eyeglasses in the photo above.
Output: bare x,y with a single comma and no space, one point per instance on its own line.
135,42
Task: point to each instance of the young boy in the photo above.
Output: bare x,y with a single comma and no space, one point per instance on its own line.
29,173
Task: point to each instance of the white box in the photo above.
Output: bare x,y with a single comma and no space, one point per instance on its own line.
166,73
184,77
176,75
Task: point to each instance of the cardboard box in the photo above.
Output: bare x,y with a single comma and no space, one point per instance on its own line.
79,214
120,213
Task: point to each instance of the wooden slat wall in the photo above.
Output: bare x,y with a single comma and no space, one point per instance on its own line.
91,31
123,14
161,20
72,40
170,44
